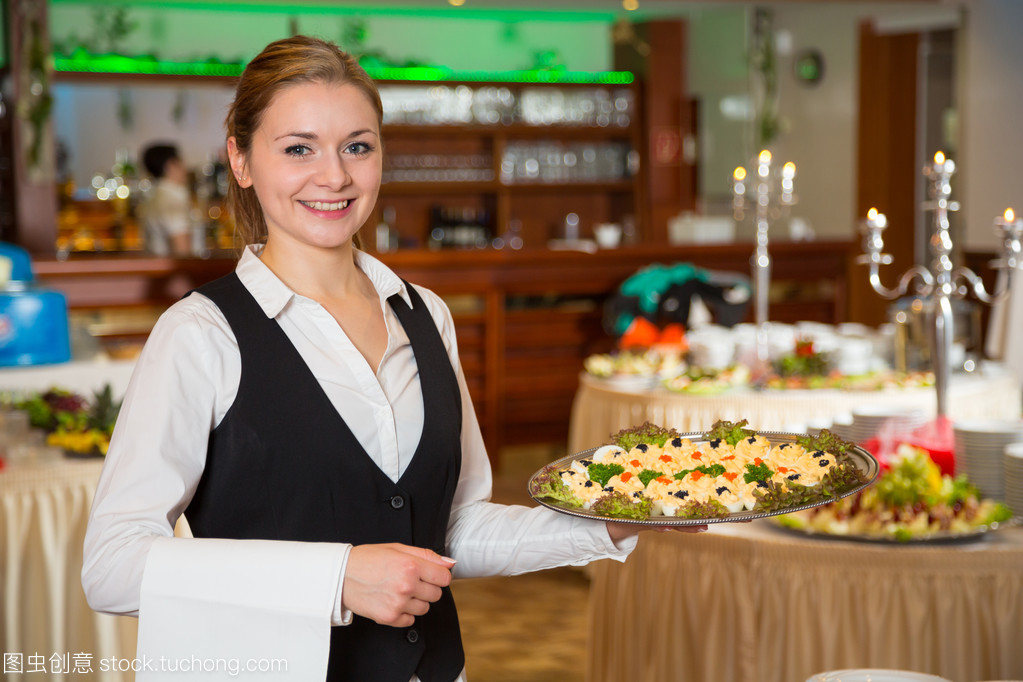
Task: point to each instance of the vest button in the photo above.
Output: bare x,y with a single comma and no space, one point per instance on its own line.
398,502
412,636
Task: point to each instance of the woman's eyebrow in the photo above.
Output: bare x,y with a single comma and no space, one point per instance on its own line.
312,136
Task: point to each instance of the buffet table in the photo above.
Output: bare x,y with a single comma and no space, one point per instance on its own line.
44,507
601,408
752,602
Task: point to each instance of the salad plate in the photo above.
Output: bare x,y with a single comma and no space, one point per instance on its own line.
865,464
913,501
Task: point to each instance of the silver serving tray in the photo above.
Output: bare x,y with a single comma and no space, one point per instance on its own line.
863,460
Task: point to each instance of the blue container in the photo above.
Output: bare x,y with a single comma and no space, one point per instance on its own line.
33,321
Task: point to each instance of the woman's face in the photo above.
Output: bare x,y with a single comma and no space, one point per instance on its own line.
315,164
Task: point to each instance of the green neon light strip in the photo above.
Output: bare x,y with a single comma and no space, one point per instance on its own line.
278,7
143,65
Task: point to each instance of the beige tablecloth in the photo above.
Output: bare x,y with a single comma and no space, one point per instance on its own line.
44,508
752,603
601,409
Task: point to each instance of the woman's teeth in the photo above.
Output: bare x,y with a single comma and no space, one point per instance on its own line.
324,206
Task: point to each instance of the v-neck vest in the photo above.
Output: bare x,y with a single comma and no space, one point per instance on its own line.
284,465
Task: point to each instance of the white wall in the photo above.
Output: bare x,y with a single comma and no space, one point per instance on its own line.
991,122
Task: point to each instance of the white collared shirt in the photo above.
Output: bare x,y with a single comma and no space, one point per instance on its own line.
187,377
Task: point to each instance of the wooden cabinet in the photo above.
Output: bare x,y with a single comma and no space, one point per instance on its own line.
528,156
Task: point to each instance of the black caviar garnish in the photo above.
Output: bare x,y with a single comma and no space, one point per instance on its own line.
588,484
586,462
824,463
723,489
681,494
761,484
677,442
715,443
609,489
751,440
793,477
818,453
642,447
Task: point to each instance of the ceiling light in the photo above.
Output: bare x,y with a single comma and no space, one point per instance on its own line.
456,3
630,5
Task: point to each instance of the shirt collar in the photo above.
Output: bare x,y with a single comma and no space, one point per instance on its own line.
272,295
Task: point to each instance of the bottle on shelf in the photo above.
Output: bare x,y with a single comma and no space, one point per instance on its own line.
466,228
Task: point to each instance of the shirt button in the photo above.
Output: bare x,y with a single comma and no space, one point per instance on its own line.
397,501
412,636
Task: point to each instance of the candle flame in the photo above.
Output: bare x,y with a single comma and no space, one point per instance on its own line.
739,174
939,158
1010,215
872,214
765,156
789,170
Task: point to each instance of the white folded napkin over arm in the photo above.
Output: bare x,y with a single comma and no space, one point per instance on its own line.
226,609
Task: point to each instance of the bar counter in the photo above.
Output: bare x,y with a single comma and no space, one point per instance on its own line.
526,319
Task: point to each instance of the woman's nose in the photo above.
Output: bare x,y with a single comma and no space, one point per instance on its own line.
332,173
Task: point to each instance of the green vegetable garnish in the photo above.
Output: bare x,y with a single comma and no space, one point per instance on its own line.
757,472
620,505
701,510
646,433
712,470
730,432
548,484
998,514
825,441
648,475
602,473
682,474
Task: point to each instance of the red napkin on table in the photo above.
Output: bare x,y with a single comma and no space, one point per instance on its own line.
936,437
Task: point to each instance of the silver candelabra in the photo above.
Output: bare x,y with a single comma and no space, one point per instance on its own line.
942,280
769,192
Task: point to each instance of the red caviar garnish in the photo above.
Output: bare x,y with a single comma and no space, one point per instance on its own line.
731,475
696,475
666,458
663,479
626,476
729,457
696,455
635,462
758,461
783,469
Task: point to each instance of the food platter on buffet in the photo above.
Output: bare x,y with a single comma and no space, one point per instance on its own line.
859,461
911,502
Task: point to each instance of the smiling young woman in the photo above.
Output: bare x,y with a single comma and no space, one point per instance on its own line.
309,415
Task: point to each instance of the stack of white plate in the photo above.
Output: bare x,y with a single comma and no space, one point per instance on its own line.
874,675
980,452
1014,477
868,420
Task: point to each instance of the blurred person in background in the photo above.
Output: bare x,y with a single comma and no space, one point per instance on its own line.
166,212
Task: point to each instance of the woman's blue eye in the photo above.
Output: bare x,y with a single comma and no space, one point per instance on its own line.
297,150
359,148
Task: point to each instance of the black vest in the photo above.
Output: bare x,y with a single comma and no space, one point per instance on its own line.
283,465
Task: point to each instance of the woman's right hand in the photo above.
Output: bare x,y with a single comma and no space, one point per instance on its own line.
391,584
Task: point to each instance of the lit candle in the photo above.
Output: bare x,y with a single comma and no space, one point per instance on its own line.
738,184
876,220
764,163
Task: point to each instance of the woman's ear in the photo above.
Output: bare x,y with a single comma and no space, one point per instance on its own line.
239,164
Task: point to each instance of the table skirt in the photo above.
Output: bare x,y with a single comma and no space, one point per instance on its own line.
43,513
749,602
